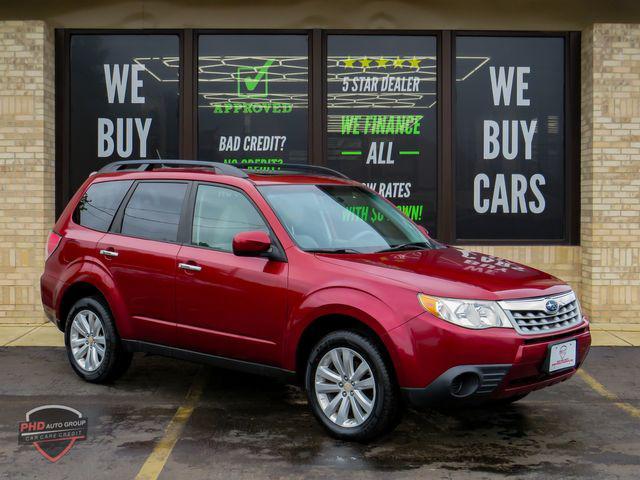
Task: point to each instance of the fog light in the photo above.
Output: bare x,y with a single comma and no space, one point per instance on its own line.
464,385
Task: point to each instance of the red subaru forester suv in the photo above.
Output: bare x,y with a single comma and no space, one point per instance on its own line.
299,273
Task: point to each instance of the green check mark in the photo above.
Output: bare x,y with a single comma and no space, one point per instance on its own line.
252,81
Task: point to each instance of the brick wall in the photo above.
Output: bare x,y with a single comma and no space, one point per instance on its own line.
610,177
26,164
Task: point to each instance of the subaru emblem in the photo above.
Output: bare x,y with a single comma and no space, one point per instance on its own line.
551,306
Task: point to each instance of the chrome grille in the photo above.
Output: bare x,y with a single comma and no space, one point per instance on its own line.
530,316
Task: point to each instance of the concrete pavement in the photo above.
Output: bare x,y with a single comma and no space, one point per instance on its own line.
242,426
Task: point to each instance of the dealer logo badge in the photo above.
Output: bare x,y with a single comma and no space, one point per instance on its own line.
53,430
563,351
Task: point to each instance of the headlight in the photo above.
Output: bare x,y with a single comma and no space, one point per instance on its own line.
466,313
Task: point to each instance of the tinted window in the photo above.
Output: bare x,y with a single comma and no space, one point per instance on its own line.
219,214
510,140
154,211
253,98
99,203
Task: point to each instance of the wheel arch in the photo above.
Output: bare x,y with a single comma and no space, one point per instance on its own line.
91,284
328,323
333,308
72,294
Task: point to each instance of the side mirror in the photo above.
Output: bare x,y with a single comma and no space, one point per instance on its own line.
424,230
251,244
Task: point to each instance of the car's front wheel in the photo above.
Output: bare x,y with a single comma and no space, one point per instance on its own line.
93,346
350,386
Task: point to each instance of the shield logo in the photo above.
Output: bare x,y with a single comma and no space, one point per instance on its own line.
563,351
53,430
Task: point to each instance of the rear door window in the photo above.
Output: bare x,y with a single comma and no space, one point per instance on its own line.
154,210
99,204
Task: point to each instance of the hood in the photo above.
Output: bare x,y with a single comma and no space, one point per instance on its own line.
455,273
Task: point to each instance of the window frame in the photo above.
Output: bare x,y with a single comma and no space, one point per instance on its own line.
571,87
317,111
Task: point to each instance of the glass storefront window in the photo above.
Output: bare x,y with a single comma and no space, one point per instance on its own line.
509,138
123,101
482,143
382,117
253,98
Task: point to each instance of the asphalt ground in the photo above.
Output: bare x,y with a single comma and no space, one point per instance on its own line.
169,419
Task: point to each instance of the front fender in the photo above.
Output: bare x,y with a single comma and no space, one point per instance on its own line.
331,301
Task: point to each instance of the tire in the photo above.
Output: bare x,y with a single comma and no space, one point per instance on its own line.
327,392
114,360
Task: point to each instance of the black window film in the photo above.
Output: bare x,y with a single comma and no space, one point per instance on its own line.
509,138
220,214
99,203
252,98
123,100
153,211
382,117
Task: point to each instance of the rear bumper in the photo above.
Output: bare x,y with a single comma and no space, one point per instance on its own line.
477,367
48,285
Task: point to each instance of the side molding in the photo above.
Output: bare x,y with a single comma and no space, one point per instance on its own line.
208,359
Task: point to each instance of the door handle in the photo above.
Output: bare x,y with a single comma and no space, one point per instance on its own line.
189,266
109,253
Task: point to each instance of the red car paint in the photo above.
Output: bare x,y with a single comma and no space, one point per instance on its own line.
256,309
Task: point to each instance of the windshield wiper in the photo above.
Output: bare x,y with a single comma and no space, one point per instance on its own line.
406,246
333,250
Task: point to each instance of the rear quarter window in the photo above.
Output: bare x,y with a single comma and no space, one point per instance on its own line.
99,204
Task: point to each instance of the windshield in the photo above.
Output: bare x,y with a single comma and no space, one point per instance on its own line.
342,219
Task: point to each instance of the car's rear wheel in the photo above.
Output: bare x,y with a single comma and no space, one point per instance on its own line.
351,387
93,346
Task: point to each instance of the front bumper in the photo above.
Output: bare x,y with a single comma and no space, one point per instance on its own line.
501,362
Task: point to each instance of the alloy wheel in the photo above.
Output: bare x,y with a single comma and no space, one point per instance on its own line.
87,340
345,387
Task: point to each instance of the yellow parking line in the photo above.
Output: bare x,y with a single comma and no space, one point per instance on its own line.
601,389
160,454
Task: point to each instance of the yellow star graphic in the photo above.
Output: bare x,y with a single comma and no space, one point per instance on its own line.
398,63
365,62
348,63
414,62
382,62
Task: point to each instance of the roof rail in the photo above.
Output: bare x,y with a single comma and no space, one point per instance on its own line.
292,167
144,165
